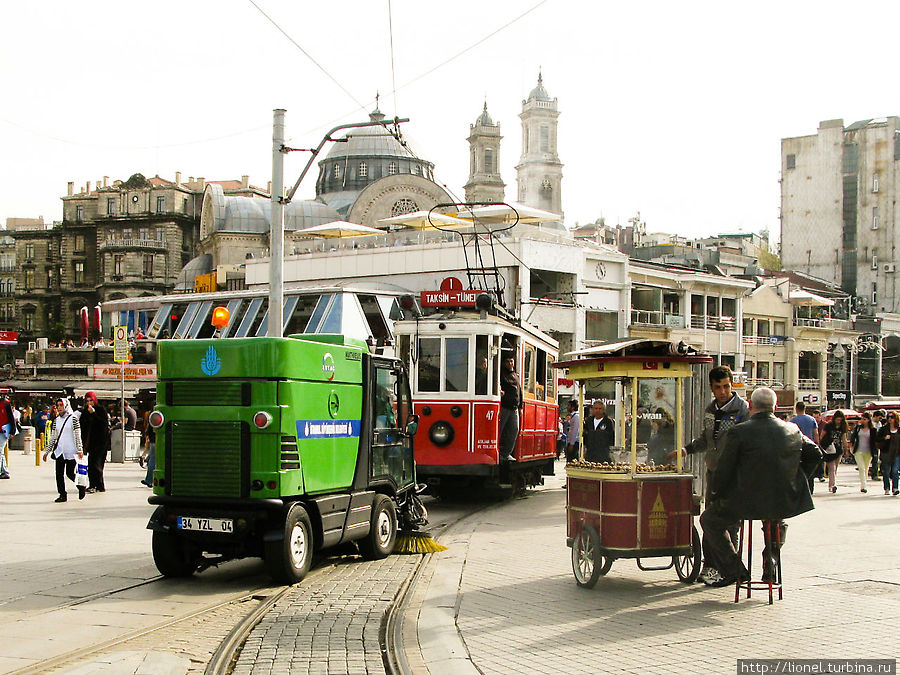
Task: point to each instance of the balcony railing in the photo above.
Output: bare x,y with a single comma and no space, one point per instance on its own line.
827,323
808,383
648,317
762,340
8,267
764,382
133,243
713,322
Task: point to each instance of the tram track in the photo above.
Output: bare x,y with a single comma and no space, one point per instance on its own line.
225,647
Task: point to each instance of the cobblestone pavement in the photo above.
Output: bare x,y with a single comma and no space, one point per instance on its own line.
331,626
504,599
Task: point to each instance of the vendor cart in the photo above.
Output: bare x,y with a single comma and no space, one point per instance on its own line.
640,504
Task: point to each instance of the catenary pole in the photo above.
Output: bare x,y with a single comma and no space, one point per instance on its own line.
276,233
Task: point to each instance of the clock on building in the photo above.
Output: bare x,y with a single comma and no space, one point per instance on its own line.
134,198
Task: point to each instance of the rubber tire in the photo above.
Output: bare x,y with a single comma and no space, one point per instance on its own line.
695,556
171,556
588,564
382,537
289,559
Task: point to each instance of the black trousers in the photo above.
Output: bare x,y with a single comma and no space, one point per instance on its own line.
719,549
96,462
571,452
64,468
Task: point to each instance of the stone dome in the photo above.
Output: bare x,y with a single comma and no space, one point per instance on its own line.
539,93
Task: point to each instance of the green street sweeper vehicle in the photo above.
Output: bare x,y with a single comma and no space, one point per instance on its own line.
278,447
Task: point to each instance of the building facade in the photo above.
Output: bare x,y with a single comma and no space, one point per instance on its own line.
839,191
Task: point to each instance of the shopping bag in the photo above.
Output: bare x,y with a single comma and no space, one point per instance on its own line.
81,472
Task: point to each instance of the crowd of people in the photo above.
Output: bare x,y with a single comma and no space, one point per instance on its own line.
80,431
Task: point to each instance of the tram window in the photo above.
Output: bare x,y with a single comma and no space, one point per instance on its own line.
495,364
528,370
429,364
482,369
456,368
540,373
551,379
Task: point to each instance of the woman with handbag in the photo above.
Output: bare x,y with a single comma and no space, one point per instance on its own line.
65,446
832,442
862,442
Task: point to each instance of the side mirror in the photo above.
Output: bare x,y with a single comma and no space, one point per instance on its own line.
412,425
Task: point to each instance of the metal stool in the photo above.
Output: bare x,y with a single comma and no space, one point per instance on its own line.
750,584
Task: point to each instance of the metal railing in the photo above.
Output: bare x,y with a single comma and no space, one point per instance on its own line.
647,317
133,243
808,383
829,323
765,382
728,323
762,340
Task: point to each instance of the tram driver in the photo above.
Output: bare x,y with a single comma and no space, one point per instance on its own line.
511,404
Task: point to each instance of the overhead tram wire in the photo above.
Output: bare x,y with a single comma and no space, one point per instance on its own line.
307,54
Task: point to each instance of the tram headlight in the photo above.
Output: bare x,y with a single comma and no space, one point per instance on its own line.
441,434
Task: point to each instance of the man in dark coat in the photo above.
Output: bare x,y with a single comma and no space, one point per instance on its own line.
94,422
762,474
511,404
599,434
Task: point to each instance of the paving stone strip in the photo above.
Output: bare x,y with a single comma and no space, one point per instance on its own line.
330,627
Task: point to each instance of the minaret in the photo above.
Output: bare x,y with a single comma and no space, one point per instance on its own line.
485,183
539,173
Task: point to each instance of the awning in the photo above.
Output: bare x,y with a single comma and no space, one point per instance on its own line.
35,386
110,389
807,299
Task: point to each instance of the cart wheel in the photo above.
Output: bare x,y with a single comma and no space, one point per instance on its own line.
687,567
588,563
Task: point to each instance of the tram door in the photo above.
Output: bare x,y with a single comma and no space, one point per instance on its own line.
391,447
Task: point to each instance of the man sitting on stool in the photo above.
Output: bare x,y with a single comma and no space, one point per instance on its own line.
761,475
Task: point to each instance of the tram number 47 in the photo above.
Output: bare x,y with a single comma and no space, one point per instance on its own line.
489,415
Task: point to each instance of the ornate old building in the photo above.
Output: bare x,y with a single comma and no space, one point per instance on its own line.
539,172
485,183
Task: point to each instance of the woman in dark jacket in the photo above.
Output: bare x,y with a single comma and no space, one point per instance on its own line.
862,443
889,446
832,442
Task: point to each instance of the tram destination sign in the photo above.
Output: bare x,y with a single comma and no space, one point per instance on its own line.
449,298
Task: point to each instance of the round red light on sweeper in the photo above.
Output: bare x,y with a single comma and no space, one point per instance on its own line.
156,419
262,419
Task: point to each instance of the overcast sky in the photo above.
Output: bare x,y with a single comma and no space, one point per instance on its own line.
675,110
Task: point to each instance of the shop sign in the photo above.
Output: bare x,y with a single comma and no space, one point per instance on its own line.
810,397
110,372
9,337
205,283
838,399
451,294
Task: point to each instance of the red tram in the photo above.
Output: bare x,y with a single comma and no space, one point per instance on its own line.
454,360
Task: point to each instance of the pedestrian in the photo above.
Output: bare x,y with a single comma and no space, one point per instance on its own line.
820,470
877,423
573,429
41,419
808,426
65,446
833,440
762,474
130,417
511,404
7,430
889,450
862,442
599,434
94,421
724,412
150,449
